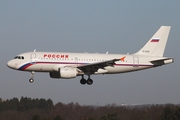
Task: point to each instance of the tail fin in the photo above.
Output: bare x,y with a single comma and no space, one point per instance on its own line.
156,45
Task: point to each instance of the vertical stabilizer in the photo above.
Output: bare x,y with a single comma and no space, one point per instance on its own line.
156,45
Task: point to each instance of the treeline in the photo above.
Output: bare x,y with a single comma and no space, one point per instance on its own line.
42,109
25,104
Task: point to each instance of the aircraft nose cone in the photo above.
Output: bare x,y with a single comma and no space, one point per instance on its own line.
11,64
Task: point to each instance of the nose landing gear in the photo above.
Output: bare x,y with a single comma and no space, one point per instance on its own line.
31,80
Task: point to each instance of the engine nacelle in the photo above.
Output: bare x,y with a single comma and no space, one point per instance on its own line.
66,73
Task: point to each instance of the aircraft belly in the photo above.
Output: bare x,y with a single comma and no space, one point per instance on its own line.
118,69
123,69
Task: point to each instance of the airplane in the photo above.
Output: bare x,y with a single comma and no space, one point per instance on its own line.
70,65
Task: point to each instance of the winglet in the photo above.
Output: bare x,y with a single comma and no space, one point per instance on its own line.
122,59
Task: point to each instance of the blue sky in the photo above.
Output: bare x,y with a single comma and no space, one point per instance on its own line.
117,26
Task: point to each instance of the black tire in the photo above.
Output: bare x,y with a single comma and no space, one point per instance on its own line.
83,81
31,80
89,81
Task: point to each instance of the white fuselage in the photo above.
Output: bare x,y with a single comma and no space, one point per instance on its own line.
48,61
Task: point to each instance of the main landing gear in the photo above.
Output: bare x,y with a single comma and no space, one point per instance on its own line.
83,81
31,80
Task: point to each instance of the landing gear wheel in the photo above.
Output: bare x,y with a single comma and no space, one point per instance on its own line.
83,81
89,81
31,80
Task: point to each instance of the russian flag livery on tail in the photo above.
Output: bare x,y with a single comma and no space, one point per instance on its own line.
70,65
155,40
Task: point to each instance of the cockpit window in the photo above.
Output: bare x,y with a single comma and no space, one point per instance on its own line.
19,57
16,57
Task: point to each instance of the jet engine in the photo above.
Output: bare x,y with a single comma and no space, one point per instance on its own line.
66,73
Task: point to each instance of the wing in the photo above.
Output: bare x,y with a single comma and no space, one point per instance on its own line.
93,67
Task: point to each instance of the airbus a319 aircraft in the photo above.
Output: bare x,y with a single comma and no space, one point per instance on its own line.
70,65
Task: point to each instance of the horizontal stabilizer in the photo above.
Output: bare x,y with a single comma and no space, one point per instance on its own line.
162,61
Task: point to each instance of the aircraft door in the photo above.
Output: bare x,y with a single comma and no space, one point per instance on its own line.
135,61
76,60
33,58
